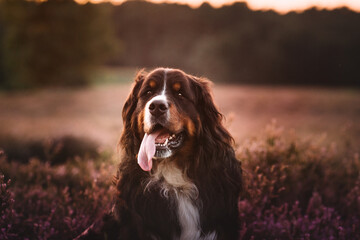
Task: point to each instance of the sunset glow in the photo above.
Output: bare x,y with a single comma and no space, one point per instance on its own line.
282,6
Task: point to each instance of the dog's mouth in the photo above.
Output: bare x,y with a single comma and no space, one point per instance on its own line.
159,143
166,142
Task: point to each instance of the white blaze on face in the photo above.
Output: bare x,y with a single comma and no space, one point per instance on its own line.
161,96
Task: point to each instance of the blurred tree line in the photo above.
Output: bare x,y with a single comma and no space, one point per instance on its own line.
236,44
59,42
52,43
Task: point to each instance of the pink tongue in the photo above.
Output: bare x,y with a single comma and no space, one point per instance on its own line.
147,150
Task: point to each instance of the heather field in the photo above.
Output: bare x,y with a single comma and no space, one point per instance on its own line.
299,148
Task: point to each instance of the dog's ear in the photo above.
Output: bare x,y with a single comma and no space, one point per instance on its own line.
204,101
131,101
128,110
211,118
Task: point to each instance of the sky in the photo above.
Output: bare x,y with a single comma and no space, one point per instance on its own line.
282,6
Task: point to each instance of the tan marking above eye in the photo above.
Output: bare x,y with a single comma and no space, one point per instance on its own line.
152,84
176,86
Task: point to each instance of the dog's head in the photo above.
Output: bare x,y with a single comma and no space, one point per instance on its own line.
167,114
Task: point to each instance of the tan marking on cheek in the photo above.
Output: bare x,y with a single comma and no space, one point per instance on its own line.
190,126
176,86
152,84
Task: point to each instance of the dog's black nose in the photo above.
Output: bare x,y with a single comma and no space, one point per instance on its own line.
158,108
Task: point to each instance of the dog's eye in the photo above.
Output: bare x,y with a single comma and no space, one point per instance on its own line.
180,94
149,92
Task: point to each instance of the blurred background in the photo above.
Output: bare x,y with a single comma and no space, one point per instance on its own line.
286,77
66,67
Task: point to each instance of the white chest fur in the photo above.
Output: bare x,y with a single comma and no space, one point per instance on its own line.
186,195
188,215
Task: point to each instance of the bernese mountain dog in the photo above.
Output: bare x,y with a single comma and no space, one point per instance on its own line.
178,177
